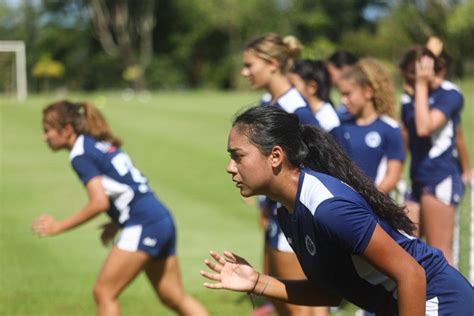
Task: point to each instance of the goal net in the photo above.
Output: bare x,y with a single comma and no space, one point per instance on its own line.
13,69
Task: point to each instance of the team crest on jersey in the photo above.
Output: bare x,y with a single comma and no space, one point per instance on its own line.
310,246
373,139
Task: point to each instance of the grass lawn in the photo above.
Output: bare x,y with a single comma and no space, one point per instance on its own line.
178,140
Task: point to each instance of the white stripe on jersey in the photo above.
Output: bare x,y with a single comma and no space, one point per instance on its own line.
78,148
448,85
405,98
313,193
367,272
432,307
441,140
381,170
121,196
327,117
291,101
130,238
282,244
390,121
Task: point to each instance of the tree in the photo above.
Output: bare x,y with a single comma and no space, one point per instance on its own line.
126,31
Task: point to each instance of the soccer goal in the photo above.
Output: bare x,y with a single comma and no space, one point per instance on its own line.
18,68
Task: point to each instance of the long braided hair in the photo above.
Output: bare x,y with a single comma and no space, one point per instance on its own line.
305,145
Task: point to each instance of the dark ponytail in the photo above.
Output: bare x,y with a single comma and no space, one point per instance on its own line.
308,146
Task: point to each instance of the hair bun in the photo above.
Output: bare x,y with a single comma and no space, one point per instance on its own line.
294,46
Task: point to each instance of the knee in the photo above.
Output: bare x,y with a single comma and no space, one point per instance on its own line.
101,293
172,300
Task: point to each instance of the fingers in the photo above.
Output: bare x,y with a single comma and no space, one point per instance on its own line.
210,276
213,266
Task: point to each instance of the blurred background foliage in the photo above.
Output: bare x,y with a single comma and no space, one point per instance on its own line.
175,44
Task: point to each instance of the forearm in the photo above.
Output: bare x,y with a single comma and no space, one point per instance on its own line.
422,110
299,292
412,296
392,176
88,212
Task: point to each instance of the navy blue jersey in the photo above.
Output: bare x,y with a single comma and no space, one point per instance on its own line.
293,102
131,200
372,146
329,229
432,157
329,122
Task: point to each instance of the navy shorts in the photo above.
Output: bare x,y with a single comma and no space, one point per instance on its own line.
158,239
449,191
450,293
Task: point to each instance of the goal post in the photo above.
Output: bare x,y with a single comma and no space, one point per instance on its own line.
18,48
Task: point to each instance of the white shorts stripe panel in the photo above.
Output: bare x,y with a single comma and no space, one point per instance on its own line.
432,307
130,238
444,190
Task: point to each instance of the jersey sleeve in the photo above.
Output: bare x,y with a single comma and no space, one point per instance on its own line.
346,223
450,104
85,168
306,116
394,146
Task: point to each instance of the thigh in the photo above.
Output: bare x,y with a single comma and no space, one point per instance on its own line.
120,268
165,277
437,219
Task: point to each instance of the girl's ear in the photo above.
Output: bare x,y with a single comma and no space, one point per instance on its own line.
312,87
274,65
368,92
68,129
276,156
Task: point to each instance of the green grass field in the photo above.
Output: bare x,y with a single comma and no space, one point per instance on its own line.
178,140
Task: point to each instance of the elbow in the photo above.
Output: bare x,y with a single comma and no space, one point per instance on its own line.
423,132
102,204
417,277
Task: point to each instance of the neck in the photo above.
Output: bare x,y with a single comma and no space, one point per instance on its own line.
278,86
436,82
367,115
284,187
315,104
71,141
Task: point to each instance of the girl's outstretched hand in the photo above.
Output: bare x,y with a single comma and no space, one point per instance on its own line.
233,273
45,225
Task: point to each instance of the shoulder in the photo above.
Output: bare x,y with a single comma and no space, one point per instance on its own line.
405,98
79,147
449,86
291,101
327,117
313,192
388,121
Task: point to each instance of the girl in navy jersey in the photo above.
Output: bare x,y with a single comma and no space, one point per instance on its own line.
351,240
311,79
376,143
431,117
147,241
337,63
266,63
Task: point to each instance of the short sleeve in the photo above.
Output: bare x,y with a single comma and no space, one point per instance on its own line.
85,168
306,116
395,149
346,223
450,103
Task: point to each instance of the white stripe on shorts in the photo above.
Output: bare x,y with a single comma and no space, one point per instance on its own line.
444,190
130,238
432,307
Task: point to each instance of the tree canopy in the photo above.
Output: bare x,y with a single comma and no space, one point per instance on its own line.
163,44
